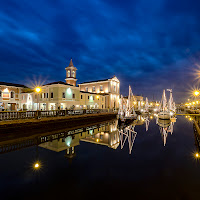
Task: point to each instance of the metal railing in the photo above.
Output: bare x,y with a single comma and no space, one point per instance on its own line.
13,115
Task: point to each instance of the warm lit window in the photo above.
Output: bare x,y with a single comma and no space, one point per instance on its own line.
93,88
73,74
68,73
63,95
101,87
86,89
51,94
12,95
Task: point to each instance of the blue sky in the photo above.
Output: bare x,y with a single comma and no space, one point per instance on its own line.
151,45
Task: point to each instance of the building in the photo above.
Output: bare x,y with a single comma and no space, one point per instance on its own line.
110,87
11,96
65,95
61,95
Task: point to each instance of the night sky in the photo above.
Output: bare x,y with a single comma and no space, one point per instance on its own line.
151,45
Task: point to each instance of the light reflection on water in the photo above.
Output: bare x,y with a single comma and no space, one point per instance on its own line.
148,149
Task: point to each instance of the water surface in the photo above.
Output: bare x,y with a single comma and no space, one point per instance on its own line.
148,162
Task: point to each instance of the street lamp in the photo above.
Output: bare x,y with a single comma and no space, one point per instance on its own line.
38,90
196,93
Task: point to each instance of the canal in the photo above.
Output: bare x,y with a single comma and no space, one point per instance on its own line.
146,160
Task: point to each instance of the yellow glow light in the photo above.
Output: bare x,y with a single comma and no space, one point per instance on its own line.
6,90
97,140
190,119
97,97
197,155
151,117
38,89
36,165
193,102
196,93
151,104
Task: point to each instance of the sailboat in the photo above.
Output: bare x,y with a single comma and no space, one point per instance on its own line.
164,112
126,111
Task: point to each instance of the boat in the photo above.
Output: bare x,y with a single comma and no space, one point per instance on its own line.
165,115
126,112
167,110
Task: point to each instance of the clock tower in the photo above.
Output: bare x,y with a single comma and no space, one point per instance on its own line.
71,74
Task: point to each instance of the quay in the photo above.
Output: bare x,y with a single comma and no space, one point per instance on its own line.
28,127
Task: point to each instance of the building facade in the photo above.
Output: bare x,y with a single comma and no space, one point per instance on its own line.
61,95
11,96
109,87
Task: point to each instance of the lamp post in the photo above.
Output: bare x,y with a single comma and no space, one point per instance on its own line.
196,94
38,90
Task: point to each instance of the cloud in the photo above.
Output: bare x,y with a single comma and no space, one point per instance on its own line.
146,44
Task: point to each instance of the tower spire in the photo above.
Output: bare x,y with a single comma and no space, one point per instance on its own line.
71,74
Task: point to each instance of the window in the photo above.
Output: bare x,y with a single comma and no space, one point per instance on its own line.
93,98
102,106
93,88
44,95
114,88
102,98
68,73
23,97
73,74
63,95
81,96
101,87
47,95
86,89
88,97
12,95
41,95
73,96
51,94
0,93
35,96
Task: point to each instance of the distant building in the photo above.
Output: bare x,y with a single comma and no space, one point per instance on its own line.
11,96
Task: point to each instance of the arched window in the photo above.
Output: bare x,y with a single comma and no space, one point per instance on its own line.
73,74
68,73
12,94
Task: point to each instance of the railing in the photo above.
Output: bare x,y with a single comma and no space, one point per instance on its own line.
12,115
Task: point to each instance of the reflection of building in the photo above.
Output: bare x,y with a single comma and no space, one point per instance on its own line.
106,134
108,137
